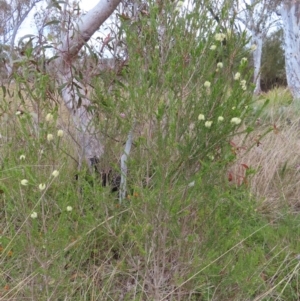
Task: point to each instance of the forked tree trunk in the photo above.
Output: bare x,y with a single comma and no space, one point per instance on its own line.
88,140
256,18
290,14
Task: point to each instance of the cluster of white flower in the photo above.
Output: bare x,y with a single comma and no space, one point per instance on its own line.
237,76
208,123
60,133
236,120
49,118
69,208
55,173
179,6
243,82
42,186
220,37
243,85
244,60
201,117
207,84
220,65
24,182
49,137
33,215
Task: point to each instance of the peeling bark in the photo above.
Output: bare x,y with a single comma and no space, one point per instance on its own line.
88,139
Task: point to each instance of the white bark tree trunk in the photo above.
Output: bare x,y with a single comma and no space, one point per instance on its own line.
255,15
290,14
88,140
257,40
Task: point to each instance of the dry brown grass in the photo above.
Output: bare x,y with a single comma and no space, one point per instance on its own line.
275,157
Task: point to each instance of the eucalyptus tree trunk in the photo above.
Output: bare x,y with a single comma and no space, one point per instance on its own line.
73,97
255,15
257,40
290,14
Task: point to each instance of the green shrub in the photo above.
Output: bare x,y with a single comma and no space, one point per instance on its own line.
184,231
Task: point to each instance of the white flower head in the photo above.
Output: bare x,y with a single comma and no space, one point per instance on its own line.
237,76
22,157
18,113
42,186
220,65
207,84
201,117
220,118
244,60
24,182
49,137
69,208
243,85
55,173
33,215
208,124
60,133
179,5
213,47
235,120
253,47
220,37
49,117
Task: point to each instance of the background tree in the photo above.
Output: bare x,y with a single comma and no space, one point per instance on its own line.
273,62
290,14
12,15
258,16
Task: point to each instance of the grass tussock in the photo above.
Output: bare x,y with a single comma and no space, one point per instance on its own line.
274,160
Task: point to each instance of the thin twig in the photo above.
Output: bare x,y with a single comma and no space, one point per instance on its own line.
124,157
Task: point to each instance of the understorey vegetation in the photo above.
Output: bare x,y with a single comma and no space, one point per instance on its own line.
210,211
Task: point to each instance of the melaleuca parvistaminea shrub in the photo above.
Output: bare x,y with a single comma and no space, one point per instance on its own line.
187,87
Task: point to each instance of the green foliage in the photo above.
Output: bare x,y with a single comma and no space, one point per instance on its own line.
184,231
169,81
273,61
